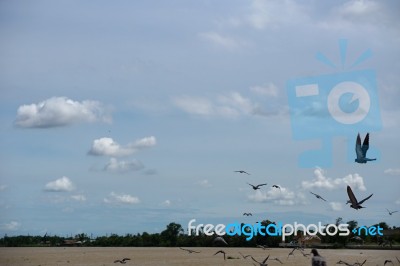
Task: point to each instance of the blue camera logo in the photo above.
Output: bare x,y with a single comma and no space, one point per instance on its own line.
327,106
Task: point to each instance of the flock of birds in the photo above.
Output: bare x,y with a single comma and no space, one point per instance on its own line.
361,153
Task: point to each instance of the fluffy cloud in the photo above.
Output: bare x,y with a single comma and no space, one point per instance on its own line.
283,196
121,198
269,90
60,111
60,185
108,147
321,181
392,171
123,166
11,226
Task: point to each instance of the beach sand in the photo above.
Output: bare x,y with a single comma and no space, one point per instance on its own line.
62,256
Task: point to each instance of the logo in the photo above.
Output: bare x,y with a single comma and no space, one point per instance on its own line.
279,229
334,105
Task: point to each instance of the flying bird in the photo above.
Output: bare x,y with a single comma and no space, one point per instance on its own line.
220,240
220,251
318,196
241,172
291,253
353,200
261,263
276,186
190,251
361,151
390,213
247,214
123,261
277,259
387,261
257,187
244,256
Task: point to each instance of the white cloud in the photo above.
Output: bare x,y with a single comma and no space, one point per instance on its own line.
391,171
60,111
121,198
123,166
227,105
336,206
107,146
78,197
321,181
11,226
60,185
269,90
283,196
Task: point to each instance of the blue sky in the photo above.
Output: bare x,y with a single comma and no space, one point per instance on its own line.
123,117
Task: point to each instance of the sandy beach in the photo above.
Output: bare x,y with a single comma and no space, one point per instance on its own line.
61,256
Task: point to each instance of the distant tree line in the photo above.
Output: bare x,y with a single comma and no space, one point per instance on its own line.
174,236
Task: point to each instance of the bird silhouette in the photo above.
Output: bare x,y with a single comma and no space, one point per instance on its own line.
257,187
123,261
241,172
276,186
247,214
244,256
220,251
219,239
387,261
391,212
353,200
261,263
190,251
361,151
318,196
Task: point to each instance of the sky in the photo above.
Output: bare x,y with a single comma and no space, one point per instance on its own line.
121,117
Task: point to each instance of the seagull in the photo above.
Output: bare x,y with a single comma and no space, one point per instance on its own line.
390,213
354,203
277,260
387,261
244,256
360,264
241,172
291,252
276,186
189,250
261,263
257,187
247,214
318,196
361,151
123,261
220,251
220,239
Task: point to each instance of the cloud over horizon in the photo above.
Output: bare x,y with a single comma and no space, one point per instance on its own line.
60,111
108,147
355,181
62,184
